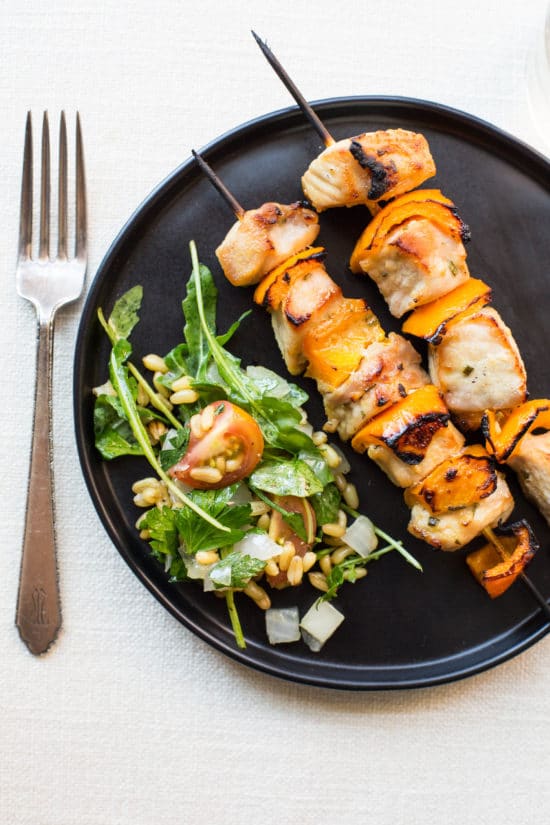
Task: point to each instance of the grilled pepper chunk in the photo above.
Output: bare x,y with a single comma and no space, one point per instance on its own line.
335,345
460,481
430,321
416,253
496,574
503,436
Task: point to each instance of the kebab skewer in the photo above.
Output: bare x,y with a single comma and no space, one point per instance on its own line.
303,300
499,382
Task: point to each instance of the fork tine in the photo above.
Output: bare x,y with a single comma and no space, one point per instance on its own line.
25,219
44,244
62,192
81,213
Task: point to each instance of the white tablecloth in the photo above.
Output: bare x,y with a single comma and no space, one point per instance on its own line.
130,718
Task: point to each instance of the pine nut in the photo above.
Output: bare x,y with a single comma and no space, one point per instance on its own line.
340,481
351,496
295,571
161,399
257,508
181,383
142,398
196,426
160,388
333,529
338,556
234,464
206,557
319,438
143,484
308,560
286,555
145,534
154,363
263,522
271,568
318,581
145,499
342,519
207,418
184,397
331,456
360,573
209,475
156,430
258,594
325,564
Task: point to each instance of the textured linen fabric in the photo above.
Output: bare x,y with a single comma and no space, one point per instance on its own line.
130,718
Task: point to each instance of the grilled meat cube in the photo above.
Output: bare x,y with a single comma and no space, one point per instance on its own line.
477,366
263,239
417,263
531,461
368,168
455,528
389,370
411,438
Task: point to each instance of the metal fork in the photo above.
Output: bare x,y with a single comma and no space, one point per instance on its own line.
48,283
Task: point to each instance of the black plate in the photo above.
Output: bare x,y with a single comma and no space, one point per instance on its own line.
402,629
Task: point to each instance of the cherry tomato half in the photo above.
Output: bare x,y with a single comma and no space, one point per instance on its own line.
225,446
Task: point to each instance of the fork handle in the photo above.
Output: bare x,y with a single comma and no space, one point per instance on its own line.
38,616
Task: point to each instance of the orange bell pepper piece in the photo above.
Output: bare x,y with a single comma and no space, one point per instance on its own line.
458,482
430,321
417,203
503,438
495,573
277,276
407,427
335,345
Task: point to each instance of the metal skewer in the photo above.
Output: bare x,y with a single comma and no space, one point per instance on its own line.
489,534
315,121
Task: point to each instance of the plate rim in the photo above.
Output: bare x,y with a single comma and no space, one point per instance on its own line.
219,144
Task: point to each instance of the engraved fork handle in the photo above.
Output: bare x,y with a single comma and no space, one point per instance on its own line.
38,615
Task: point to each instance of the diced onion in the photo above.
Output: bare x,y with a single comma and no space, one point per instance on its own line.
282,625
194,569
223,574
242,495
257,545
360,536
319,623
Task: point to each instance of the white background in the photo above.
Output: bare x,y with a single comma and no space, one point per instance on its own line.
130,718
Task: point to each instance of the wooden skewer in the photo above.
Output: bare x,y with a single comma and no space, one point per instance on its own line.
497,544
218,184
489,534
315,121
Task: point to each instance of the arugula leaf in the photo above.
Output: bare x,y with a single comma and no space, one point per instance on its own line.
125,316
277,418
197,534
113,434
275,386
118,373
235,570
326,504
194,332
174,448
290,477
317,462
164,541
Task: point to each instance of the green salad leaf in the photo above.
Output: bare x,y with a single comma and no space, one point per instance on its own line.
124,316
235,570
197,534
174,448
326,504
286,477
164,541
113,434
